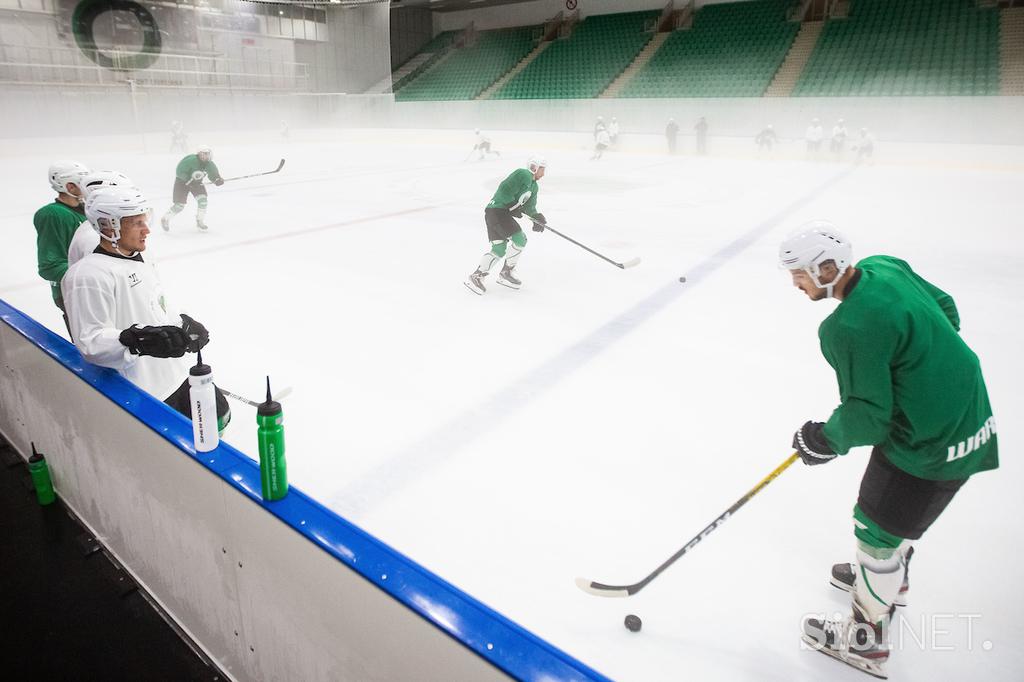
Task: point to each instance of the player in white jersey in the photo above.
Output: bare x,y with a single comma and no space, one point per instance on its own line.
483,146
119,315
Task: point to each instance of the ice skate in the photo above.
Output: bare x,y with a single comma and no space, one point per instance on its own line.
201,224
852,640
165,222
506,278
475,283
844,577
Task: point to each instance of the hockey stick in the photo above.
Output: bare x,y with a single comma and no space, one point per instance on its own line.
280,396
255,175
627,264
602,590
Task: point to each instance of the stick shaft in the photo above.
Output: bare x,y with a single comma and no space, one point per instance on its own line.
628,590
582,246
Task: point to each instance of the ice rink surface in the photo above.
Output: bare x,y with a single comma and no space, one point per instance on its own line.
592,422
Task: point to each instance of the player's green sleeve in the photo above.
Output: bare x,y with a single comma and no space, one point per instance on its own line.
530,208
860,359
211,171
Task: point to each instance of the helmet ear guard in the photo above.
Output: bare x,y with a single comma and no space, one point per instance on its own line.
812,245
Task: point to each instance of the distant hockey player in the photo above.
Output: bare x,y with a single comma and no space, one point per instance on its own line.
515,196
483,146
120,317
599,125
601,143
911,388
189,176
766,138
838,140
814,135
86,238
56,223
864,146
613,130
671,135
179,140
701,128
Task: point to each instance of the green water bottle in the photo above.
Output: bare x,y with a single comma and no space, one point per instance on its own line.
270,434
41,477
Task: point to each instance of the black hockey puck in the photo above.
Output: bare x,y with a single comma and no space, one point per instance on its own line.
682,279
633,623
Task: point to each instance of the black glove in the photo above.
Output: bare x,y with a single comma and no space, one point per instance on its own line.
195,332
809,441
516,212
539,221
167,341
219,181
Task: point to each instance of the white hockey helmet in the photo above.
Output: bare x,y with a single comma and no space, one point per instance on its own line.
204,149
94,180
106,206
537,162
63,172
813,244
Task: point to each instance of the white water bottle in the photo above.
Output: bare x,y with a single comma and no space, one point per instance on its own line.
203,398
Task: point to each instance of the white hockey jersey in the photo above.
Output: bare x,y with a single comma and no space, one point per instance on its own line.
106,294
84,242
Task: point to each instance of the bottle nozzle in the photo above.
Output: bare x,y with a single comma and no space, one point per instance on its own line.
199,356
270,398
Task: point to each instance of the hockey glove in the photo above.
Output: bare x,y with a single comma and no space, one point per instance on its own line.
539,222
195,332
219,181
167,341
809,441
516,212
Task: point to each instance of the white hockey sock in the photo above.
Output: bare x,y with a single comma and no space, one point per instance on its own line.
879,578
513,255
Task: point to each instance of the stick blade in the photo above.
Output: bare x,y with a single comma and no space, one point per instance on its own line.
630,263
280,165
599,590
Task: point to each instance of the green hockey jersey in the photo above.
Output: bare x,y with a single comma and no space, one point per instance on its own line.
55,224
511,190
190,164
907,382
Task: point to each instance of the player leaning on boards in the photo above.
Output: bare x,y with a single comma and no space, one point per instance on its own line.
516,195
189,176
119,316
56,223
909,386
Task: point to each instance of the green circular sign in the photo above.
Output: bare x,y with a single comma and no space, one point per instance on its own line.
86,14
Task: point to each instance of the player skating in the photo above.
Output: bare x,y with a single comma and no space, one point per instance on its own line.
515,196
179,139
56,224
601,143
766,139
483,146
189,176
910,387
864,146
120,317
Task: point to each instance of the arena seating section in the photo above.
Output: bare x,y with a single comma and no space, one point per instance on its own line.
906,47
882,48
585,63
469,70
733,50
